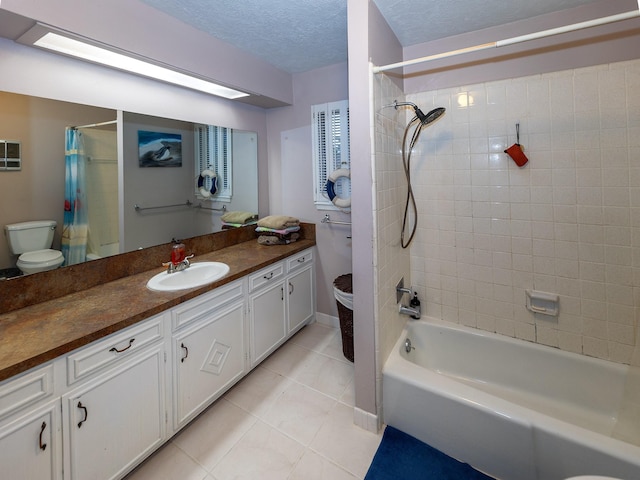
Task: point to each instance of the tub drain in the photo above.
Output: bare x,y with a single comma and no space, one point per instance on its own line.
407,346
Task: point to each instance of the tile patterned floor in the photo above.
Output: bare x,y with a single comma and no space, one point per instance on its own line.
290,419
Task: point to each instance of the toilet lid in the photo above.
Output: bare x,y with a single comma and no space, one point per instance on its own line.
41,256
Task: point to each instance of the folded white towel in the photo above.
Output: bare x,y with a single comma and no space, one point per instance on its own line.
278,222
238,217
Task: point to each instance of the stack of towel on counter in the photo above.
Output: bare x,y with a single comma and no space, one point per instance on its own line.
278,230
238,219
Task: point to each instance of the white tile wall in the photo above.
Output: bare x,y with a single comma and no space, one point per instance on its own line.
568,222
392,261
102,187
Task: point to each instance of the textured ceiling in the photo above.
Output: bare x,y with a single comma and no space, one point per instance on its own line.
301,35
418,21
293,35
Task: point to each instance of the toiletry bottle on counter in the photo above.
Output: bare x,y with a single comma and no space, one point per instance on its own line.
415,303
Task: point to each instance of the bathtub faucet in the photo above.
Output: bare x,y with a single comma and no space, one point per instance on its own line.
414,307
413,312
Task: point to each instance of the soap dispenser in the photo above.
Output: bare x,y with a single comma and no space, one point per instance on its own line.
178,253
415,304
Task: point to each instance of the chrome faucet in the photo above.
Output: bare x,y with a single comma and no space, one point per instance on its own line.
413,312
183,265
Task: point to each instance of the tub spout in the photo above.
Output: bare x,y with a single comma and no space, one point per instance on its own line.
413,312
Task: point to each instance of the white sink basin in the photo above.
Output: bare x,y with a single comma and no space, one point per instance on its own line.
197,275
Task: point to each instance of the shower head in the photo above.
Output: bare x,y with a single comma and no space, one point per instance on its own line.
430,117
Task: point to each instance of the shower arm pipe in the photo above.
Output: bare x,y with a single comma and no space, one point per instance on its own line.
513,40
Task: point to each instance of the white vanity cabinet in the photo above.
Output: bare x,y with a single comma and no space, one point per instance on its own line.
98,411
301,293
267,314
114,416
281,301
28,445
208,346
30,433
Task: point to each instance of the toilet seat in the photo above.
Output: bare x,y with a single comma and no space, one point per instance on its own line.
40,260
592,477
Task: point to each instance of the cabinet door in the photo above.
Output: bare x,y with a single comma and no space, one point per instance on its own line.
30,446
267,321
301,298
208,359
116,419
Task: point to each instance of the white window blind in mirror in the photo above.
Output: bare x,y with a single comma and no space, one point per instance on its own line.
213,151
330,136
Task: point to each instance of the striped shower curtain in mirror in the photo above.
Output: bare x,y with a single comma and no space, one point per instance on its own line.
75,229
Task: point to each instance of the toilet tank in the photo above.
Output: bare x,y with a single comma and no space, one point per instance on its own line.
30,236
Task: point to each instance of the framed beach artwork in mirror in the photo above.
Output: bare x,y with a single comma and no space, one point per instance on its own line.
159,149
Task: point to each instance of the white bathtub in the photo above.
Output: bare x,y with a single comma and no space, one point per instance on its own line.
105,250
510,408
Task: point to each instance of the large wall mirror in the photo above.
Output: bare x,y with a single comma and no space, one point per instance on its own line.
139,193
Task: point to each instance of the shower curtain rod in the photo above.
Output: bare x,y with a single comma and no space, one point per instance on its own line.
513,40
91,125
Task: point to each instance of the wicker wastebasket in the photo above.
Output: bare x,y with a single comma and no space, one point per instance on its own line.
343,292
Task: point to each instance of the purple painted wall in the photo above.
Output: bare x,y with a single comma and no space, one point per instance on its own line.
291,174
371,39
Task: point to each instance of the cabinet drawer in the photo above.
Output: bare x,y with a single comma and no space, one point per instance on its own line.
300,260
195,309
113,349
266,276
26,390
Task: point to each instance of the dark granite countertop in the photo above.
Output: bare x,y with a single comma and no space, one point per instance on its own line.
40,332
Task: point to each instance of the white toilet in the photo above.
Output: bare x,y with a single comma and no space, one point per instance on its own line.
32,241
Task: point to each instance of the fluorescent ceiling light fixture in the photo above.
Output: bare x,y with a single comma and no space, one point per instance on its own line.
86,50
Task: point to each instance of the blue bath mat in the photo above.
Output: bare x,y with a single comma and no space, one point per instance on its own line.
402,456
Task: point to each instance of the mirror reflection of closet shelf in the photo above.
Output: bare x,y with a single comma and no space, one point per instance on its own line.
543,303
10,155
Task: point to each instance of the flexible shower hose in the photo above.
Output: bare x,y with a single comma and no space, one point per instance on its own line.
410,200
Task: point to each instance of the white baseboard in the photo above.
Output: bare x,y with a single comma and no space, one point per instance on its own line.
328,320
366,420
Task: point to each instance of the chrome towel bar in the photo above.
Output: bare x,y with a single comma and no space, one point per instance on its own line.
223,209
327,219
188,203
138,208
